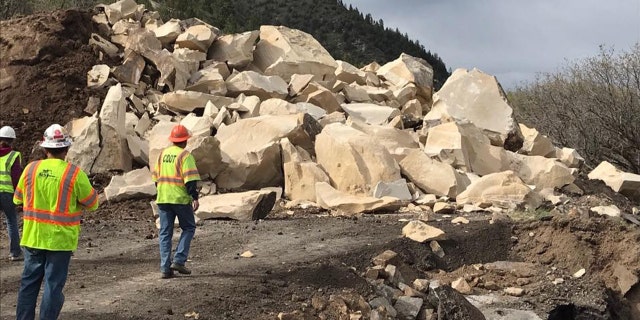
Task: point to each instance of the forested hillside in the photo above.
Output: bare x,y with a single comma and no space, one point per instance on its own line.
347,33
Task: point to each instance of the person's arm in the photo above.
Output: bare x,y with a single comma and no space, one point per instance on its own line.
18,194
16,171
87,195
191,177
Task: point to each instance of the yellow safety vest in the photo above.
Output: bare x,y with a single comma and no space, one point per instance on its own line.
53,193
6,162
175,167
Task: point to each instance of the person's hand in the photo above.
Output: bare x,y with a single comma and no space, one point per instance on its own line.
195,204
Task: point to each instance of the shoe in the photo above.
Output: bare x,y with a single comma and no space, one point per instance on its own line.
16,258
167,275
180,268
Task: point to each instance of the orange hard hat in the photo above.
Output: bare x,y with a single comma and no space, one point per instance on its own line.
179,133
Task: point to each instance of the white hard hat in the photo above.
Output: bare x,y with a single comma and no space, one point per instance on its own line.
56,137
7,132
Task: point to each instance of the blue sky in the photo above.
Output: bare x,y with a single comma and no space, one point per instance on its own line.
511,39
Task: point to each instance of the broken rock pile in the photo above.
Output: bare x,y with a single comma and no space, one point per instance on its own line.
282,112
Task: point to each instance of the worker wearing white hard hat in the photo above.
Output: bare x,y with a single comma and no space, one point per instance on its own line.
52,205
10,170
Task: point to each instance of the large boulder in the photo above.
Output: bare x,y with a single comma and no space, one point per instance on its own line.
370,113
85,133
320,96
300,173
168,32
114,153
354,161
174,73
622,182
133,184
477,97
540,171
348,204
139,149
207,80
253,83
158,138
244,206
189,58
123,9
432,176
283,52
536,144
570,157
234,49
465,147
251,149
503,189
406,70
355,93
143,42
198,37
206,152
419,231
130,70
187,101
277,107
397,142
348,73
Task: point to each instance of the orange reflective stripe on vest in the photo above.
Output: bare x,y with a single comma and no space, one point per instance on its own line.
30,184
90,200
59,218
64,194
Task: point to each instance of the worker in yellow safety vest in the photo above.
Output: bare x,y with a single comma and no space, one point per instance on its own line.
176,176
10,170
53,193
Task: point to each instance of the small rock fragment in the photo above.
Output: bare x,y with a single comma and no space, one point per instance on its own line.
247,254
513,291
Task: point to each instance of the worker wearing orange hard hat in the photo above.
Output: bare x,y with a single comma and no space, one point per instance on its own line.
176,175
53,194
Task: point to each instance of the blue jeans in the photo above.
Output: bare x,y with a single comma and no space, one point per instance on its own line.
6,204
52,266
187,222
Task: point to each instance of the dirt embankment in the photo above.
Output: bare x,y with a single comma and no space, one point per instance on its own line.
44,60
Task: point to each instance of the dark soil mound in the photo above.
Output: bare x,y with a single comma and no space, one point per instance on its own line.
44,61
